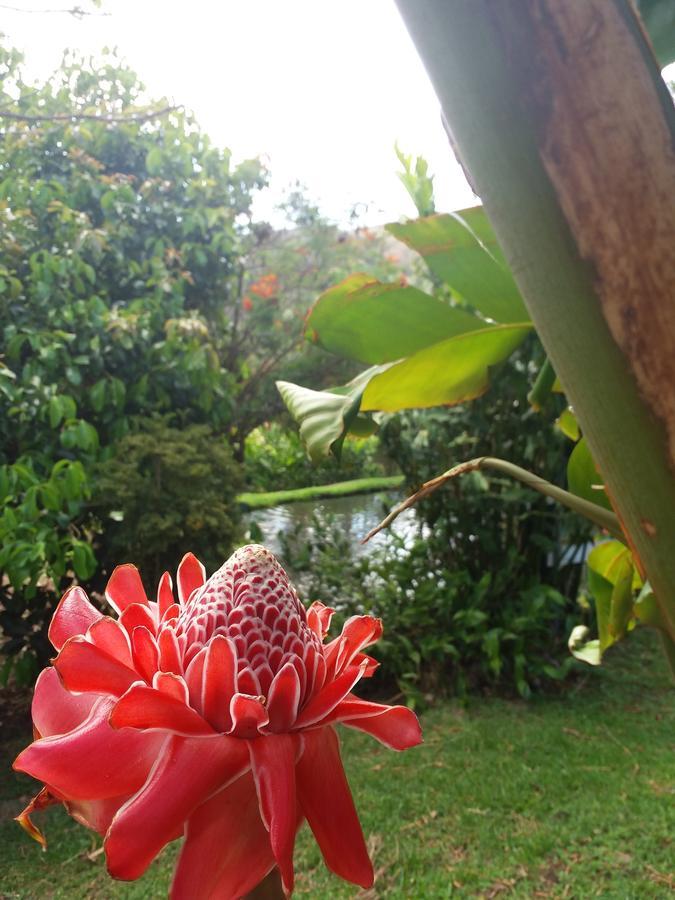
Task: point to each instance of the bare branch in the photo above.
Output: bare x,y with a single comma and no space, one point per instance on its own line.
597,514
134,118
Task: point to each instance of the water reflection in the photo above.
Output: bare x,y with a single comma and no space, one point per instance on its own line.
354,516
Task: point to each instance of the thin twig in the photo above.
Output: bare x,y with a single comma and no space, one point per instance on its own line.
91,117
602,517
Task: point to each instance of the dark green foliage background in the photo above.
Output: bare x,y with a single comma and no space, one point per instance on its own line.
163,490
482,523
486,596
118,256
137,364
128,254
502,552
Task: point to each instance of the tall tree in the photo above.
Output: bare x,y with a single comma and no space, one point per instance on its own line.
121,231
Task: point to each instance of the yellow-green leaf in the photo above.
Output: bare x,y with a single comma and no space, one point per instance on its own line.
567,423
447,373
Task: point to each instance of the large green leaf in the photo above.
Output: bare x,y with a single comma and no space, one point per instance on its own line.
583,477
462,251
325,417
447,373
608,560
373,322
612,579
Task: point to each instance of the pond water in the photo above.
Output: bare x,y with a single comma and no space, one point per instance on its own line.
354,516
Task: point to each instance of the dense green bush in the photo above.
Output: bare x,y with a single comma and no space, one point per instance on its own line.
119,241
443,635
40,544
165,491
133,283
488,596
493,525
509,559
275,459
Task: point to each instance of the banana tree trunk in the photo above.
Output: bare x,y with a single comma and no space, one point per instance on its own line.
558,113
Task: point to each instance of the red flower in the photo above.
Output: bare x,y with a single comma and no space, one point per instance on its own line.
211,717
267,286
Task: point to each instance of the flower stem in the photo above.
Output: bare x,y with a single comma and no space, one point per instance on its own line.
269,888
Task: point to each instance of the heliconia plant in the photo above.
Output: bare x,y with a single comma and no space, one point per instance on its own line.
560,116
210,715
406,336
565,128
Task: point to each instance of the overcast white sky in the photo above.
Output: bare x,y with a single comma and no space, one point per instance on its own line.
323,89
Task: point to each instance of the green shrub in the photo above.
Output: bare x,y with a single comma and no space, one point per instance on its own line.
118,250
493,525
44,544
166,491
488,598
442,633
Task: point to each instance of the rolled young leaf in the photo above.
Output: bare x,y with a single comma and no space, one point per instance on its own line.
325,417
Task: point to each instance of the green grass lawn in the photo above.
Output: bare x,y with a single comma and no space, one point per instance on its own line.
568,797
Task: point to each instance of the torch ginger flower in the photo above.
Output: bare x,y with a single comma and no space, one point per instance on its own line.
210,718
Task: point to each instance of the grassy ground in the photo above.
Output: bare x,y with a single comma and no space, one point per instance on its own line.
569,797
253,500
